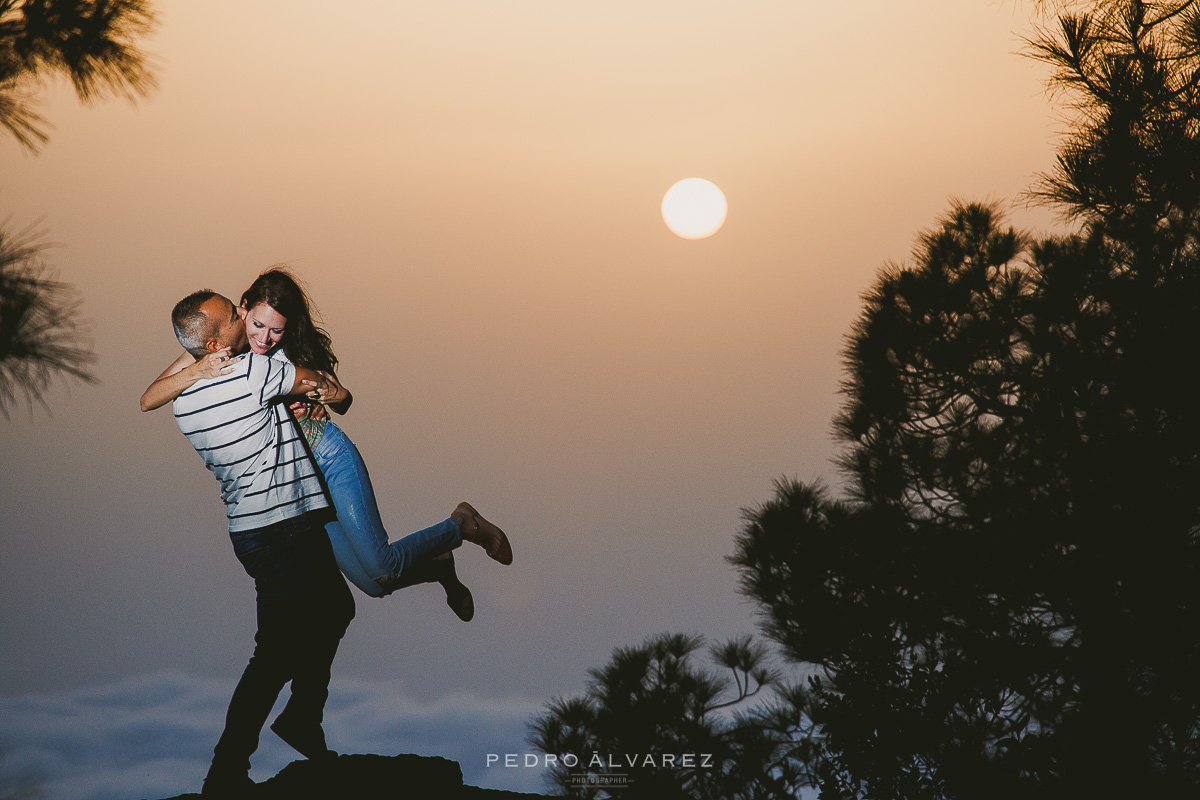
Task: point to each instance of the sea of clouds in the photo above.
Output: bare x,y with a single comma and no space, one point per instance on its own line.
152,736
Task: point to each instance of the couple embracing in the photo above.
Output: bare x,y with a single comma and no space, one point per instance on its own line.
252,393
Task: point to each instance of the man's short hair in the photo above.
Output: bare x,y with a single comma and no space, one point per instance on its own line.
192,328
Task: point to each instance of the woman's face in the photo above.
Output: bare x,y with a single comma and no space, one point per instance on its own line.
264,328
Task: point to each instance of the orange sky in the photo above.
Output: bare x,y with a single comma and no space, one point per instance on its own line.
471,192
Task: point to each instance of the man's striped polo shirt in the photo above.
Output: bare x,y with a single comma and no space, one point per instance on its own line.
251,445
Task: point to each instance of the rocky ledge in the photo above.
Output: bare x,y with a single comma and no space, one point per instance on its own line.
402,777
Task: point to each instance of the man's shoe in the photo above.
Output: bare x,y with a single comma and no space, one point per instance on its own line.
308,740
485,534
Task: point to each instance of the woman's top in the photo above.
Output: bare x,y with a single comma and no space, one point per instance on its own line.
313,429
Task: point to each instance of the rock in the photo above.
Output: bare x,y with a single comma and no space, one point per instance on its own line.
371,777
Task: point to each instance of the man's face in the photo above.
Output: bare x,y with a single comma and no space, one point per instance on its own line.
231,330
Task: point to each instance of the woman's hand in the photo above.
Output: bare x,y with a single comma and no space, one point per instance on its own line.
214,365
182,374
308,410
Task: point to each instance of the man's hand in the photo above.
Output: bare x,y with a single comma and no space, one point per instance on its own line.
322,388
326,389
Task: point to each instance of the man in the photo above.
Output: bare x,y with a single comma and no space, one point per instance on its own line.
277,510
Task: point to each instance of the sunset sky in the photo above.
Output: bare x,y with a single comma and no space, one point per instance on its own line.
471,191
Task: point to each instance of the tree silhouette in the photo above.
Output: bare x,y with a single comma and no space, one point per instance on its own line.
39,333
1009,596
1132,70
1007,603
92,42
662,727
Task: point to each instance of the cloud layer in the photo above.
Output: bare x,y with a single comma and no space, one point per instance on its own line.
152,736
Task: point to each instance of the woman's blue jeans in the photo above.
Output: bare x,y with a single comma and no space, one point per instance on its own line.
360,542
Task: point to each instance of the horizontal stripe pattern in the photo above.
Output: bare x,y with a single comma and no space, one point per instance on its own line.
250,444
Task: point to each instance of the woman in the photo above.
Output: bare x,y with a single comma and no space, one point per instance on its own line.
278,318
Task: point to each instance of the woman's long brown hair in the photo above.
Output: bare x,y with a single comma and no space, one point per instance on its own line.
305,343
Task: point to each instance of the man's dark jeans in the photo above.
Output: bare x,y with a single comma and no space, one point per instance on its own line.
304,608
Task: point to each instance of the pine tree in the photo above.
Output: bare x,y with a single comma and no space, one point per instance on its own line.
1007,602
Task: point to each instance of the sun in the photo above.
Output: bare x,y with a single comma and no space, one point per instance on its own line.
694,208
